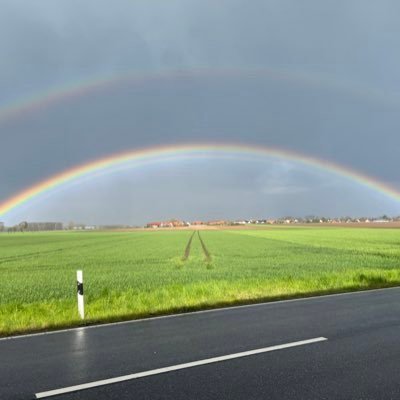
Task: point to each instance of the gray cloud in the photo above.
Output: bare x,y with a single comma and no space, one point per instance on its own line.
345,111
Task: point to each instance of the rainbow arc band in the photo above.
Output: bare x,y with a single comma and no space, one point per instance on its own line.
153,154
43,99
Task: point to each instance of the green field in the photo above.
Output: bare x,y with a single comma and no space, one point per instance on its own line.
142,273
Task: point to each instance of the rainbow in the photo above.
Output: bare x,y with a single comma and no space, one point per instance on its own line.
154,154
43,99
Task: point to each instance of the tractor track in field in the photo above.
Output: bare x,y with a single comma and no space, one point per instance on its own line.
188,247
207,254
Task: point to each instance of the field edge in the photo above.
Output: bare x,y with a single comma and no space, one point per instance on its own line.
192,309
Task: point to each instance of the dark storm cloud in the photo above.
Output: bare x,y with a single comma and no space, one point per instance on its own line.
310,120
348,44
62,40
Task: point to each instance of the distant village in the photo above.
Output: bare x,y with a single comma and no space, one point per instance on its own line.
174,223
177,223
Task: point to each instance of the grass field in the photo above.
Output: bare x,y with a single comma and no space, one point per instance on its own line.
142,273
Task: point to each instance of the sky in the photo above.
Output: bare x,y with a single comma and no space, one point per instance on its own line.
317,78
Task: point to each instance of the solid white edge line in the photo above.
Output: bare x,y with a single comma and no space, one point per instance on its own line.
184,314
158,371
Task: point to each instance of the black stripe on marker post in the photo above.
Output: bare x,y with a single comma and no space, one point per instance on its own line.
79,288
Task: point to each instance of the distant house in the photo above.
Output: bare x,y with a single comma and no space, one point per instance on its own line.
173,223
217,223
154,225
176,223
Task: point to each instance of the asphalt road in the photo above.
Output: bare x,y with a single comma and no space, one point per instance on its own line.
359,360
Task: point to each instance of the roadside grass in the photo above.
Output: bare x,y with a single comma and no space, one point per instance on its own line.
138,274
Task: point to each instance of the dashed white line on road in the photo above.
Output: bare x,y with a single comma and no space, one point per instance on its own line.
158,371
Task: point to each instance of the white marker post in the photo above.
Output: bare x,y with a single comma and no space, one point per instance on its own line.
79,281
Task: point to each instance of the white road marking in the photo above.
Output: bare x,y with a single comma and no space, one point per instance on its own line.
185,314
124,378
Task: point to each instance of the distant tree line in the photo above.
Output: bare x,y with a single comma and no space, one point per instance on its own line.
25,226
